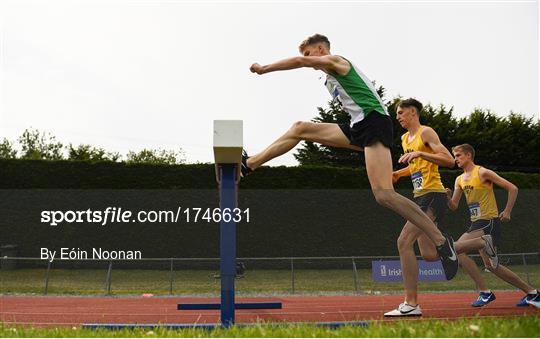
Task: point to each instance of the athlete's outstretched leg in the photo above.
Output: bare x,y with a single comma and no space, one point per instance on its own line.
507,275
379,171
323,133
502,272
512,278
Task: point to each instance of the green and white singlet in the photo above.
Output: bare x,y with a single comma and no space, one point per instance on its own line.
356,93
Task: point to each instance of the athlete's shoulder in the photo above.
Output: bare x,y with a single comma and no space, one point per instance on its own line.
428,135
426,130
486,176
482,170
458,179
341,66
485,173
337,58
341,58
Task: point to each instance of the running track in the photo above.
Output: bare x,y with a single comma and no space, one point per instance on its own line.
74,311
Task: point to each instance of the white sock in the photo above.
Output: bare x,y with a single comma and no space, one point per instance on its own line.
533,292
487,291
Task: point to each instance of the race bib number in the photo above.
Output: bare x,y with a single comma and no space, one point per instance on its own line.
474,209
417,182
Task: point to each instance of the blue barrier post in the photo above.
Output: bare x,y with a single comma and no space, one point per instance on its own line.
227,195
228,145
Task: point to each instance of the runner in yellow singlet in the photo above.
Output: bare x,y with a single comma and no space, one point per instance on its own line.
424,174
477,184
424,153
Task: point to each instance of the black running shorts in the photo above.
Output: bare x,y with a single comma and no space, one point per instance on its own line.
374,127
489,226
434,201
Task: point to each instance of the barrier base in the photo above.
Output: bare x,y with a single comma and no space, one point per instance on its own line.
237,306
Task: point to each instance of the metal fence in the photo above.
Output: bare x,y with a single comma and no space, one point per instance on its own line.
200,276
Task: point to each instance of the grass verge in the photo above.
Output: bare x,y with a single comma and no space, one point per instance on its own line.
197,282
527,326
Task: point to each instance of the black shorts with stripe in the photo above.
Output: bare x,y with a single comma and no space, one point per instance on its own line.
489,226
434,201
374,127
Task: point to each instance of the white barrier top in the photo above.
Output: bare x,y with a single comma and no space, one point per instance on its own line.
228,141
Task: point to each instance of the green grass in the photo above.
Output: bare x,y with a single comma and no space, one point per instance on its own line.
527,326
194,282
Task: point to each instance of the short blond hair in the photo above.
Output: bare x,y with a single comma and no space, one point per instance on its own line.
465,148
314,39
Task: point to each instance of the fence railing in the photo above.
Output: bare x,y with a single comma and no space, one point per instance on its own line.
172,276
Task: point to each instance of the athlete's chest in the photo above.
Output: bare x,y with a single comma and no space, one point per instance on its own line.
332,85
413,143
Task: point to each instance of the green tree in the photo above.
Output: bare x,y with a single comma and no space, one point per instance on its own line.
441,120
510,143
156,156
40,146
89,153
6,150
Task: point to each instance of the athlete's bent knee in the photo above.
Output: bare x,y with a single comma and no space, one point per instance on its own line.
299,128
384,197
404,243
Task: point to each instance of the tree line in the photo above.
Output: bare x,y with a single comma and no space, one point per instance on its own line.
510,143
36,145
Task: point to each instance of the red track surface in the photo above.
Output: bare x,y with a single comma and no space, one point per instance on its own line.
70,311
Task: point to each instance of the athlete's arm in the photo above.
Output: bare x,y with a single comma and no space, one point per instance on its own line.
441,155
453,199
326,63
488,175
404,172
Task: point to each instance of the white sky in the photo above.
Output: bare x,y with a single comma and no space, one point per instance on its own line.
127,75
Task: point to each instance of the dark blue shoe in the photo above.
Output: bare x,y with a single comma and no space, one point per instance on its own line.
245,170
535,300
484,299
529,299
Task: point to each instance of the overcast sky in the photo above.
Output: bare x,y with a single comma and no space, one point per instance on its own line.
127,75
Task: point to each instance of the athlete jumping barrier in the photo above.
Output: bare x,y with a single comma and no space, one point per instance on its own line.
228,145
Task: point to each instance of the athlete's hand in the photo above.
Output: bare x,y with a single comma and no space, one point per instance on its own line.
256,68
504,216
408,157
449,193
